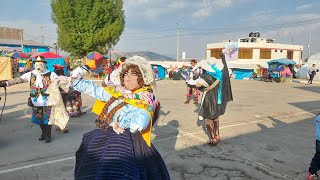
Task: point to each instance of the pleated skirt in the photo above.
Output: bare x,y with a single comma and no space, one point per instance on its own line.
107,155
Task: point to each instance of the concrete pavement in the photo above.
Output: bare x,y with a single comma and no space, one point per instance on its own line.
267,133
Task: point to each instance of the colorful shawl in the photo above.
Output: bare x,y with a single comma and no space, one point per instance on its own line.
140,98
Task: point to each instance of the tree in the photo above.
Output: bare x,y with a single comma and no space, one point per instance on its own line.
87,25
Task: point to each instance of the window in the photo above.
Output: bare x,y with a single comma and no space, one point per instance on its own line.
245,53
290,54
281,50
216,53
265,54
276,50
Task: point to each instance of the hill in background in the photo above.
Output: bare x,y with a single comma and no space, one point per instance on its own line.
151,56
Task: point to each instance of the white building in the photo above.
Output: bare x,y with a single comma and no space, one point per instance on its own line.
256,50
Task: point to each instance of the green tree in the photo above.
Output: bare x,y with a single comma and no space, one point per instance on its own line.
87,25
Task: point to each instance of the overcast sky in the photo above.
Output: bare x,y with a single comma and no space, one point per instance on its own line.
151,24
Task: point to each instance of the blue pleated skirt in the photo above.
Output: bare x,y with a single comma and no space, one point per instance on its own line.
107,155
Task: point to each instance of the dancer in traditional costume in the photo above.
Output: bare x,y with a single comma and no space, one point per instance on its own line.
192,90
217,93
120,147
114,77
79,73
40,79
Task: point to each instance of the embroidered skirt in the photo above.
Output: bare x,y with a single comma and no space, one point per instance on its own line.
77,98
41,115
69,103
107,155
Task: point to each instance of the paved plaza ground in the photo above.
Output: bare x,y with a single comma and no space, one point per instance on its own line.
267,133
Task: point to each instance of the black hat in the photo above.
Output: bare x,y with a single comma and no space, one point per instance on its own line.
40,59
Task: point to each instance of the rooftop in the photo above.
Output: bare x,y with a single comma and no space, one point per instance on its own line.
18,42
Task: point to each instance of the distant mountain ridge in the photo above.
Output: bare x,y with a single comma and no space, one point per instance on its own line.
151,56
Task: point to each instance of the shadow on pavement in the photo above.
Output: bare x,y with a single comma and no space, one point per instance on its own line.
310,88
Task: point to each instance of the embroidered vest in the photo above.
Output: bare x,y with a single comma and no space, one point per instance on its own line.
36,91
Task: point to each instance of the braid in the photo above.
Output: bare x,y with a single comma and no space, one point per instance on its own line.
102,115
113,111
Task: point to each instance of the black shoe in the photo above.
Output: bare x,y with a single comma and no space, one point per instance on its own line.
43,132
48,140
42,137
48,133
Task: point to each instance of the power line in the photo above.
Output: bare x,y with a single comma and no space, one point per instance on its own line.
165,30
254,27
232,29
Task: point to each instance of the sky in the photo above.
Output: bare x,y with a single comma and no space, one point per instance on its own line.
151,25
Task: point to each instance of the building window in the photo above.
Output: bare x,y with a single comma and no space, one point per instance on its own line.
216,53
245,53
290,54
265,54
276,50
281,50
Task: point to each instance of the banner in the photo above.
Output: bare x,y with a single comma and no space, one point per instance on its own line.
232,51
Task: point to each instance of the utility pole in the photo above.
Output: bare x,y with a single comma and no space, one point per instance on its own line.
110,51
292,40
42,36
21,39
56,47
178,39
309,45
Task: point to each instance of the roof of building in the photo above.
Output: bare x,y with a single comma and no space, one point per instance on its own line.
18,42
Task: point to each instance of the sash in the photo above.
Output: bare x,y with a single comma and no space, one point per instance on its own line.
218,75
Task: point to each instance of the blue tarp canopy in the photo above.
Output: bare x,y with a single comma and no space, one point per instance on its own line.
278,64
284,61
161,71
241,74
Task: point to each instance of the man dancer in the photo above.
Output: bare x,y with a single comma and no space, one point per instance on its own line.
114,77
191,83
40,79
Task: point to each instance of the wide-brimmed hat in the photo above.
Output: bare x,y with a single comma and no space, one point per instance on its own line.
40,59
206,64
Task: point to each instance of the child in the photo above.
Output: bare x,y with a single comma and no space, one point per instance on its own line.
315,163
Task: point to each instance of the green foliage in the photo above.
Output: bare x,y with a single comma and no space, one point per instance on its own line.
87,25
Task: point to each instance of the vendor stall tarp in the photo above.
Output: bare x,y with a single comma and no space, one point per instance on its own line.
91,63
53,59
241,74
24,65
161,71
57,61
6,68
284,61
303,71
242,66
